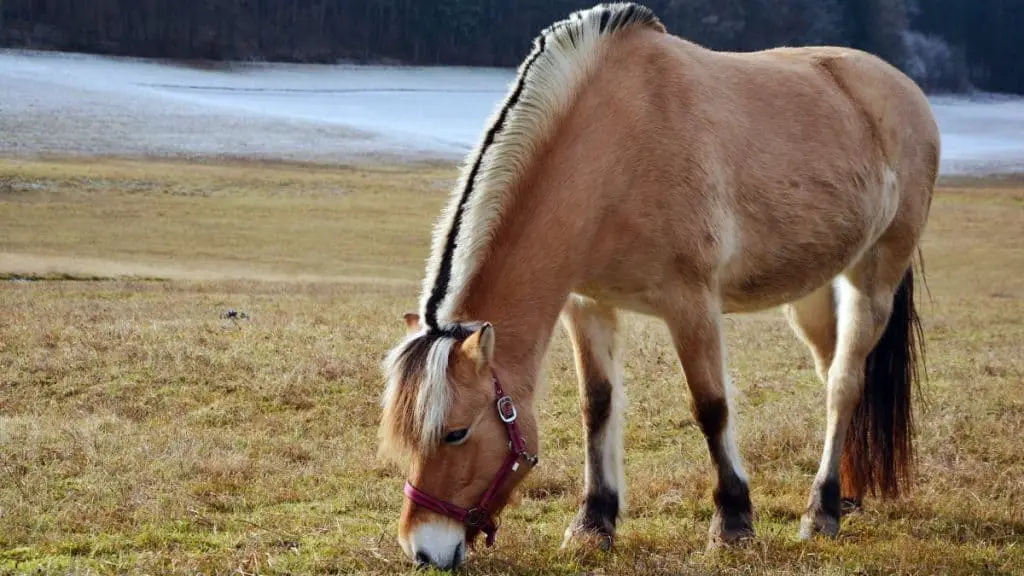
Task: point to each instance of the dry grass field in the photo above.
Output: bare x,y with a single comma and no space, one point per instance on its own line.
142,433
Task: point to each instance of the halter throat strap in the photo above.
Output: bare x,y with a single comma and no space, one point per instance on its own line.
479,517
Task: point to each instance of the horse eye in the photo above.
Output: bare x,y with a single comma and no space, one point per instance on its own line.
456,436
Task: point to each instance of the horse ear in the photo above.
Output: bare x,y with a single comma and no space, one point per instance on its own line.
480,346
412,321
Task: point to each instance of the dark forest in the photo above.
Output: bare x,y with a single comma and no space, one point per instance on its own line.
945,45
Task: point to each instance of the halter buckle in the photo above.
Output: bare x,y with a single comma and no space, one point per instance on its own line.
476,518
507,410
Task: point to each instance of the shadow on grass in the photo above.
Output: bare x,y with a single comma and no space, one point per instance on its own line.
66,277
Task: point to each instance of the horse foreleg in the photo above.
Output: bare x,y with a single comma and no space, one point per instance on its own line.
592,329
697,333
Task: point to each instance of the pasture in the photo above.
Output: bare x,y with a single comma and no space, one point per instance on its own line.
142,432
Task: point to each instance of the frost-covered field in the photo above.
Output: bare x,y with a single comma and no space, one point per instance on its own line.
79,104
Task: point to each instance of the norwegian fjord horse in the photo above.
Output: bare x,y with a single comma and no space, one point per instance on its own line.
630,169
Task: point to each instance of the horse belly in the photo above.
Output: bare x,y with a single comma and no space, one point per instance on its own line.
766,288
625,293
798,257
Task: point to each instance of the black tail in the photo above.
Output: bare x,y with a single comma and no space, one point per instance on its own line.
878,455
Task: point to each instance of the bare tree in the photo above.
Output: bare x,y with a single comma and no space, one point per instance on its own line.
984,35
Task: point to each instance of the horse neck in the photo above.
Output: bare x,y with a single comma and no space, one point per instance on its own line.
526,277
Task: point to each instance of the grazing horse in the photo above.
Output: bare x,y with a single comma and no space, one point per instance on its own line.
629,169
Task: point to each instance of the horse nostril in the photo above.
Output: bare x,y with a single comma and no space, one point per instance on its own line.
460,555
422,559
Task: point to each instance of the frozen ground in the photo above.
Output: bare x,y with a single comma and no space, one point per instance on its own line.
78,104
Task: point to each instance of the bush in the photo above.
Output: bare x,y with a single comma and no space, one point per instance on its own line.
933,64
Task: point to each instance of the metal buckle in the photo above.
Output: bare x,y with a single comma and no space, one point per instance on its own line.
476,518
506,410
512,447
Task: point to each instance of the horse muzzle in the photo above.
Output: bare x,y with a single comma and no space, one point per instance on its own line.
438,544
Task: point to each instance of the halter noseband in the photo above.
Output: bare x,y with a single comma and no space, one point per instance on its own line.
479,517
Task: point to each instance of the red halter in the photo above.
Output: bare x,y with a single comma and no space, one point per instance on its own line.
479,517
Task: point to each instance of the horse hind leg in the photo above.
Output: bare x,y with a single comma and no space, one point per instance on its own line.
813,319
868,426
592,330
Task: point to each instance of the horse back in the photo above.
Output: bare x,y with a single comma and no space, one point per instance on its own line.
764,174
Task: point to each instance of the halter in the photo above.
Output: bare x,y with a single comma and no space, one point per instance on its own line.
479,517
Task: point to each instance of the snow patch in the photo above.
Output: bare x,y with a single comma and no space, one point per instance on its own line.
83,104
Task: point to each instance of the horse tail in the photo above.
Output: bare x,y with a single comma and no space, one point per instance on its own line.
878,454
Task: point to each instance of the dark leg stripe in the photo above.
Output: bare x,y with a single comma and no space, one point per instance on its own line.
829,495
713,416
597,410
600,510
598,404
731,495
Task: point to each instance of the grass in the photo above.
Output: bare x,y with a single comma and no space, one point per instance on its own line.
142,433
181,220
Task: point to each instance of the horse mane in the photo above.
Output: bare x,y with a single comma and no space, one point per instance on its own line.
548,81
563,55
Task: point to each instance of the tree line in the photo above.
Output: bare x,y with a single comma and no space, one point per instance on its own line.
943,44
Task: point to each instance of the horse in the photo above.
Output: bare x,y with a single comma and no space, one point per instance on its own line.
628,170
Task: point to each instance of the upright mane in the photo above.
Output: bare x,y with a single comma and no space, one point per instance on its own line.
563,55
416,398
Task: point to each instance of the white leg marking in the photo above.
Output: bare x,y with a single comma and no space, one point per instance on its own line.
731,450
613,451
845,377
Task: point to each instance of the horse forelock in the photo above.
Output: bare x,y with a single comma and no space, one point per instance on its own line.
563,55
418,394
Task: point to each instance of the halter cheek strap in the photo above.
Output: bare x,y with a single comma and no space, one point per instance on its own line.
479,517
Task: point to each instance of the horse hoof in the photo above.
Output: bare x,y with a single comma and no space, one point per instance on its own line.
818,523
850,505
602,541
586,532
581,535
729,531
